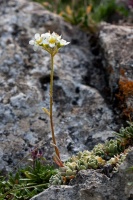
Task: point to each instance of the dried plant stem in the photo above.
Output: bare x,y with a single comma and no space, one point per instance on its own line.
51,106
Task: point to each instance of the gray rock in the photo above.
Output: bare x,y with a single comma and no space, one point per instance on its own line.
91,185
116,43
82,116
80,112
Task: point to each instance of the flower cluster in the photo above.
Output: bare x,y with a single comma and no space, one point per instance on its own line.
36,154
49,42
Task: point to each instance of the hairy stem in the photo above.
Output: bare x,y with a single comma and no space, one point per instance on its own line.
51,106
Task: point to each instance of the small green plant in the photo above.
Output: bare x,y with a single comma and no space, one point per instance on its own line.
85,13
112,153
38,176
50,43
33,179
29,181
106,9
125,136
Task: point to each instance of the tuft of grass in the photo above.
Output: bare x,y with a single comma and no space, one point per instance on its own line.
26,182
85,13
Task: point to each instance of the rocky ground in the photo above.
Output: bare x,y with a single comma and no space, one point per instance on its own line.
91,185
86,80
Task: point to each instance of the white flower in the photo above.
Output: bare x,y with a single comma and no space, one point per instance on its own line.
54,40
50,39
37,41
49,42
33,43
46,35
37,36
63,42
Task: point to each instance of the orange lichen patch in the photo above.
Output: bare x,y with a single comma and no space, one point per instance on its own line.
125,92
122,72
128,112
126,87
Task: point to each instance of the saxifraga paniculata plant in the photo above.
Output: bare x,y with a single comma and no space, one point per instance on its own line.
50,43
111,153
105,157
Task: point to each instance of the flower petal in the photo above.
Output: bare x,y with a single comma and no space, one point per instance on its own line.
45,41
46,35
37,36
63,42
31,42
52,45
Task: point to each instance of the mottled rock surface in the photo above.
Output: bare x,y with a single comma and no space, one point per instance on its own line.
116,43
90,185
81,114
